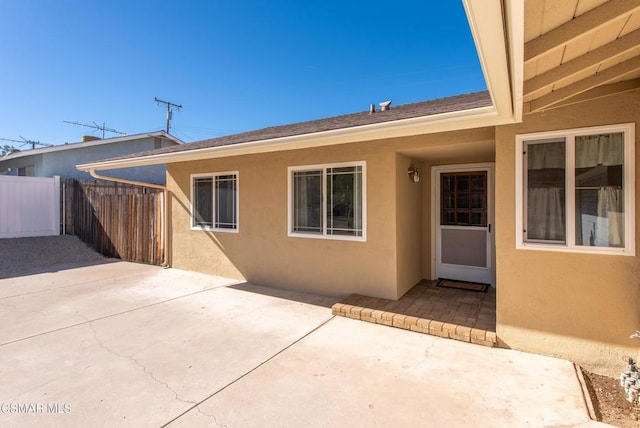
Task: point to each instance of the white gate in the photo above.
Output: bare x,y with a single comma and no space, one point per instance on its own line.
29,206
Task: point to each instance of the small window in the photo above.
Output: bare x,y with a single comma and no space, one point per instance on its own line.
26,171
577,190
327,201
215,201
464,198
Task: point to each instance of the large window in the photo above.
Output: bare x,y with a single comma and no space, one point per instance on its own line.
327,201
576,190
215,201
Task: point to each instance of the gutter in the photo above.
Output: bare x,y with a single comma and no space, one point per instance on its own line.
165,207
458,120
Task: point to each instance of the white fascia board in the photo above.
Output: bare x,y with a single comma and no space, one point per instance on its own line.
452,121
487,23
514,17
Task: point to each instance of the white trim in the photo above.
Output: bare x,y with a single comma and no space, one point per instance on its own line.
213,175
629,190
487,24
514,23
324,167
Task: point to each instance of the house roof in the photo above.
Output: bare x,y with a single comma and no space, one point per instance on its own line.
406,111
78,145
579,49
497,28
285,136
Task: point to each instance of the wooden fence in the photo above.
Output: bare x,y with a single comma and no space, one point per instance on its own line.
117,220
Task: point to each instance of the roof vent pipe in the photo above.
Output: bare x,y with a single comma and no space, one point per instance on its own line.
87,138
372,108
385,105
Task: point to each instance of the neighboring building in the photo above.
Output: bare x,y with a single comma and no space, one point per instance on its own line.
531,186
62,160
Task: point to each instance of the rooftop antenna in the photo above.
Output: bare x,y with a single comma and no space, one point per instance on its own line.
169,111
102,127
24,141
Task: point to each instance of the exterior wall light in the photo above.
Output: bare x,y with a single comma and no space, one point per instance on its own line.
414,174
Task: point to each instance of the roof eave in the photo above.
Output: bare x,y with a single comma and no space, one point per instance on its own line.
497,27
464,119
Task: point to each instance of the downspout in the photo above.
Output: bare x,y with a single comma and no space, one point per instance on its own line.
165,228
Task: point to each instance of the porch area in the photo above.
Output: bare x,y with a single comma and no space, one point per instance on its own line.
468,316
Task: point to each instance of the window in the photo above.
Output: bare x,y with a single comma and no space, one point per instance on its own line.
464,198
576,189
26,171
327,201
215,201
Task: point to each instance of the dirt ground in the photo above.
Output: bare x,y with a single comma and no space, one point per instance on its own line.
610,402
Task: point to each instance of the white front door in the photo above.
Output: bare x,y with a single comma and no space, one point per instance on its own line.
463,222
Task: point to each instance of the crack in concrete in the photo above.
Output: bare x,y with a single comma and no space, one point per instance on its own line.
430,347
215,420
139,364
247,373
427,352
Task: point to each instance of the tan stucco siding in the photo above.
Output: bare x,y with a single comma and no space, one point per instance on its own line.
263,253
408,225
574,305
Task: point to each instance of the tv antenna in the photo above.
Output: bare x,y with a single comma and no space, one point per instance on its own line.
169,110
24,141
102,127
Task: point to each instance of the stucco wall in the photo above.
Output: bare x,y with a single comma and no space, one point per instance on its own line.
408,203
63,163
577,306
397,253
14,164
262,253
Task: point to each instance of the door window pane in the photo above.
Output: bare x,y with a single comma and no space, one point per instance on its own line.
462,218
463,199
477,219
477,200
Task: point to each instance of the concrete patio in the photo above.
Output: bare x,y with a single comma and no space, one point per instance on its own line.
121,344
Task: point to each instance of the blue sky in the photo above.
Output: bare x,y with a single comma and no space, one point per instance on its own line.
233,65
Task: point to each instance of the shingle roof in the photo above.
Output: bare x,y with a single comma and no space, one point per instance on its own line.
406,111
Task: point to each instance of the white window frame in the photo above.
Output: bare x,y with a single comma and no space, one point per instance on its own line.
324,167
629,190
213,176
